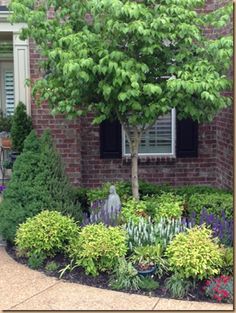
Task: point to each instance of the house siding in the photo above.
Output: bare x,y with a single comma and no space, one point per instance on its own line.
79,146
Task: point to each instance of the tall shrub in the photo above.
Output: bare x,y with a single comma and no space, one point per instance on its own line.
38,183
21,127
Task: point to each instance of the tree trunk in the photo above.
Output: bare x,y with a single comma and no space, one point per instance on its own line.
134,168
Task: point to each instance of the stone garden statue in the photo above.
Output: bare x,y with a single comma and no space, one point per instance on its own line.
113,201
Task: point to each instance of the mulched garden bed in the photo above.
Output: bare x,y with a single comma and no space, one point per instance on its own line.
102,280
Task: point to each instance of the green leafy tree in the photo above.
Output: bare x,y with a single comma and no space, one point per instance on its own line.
131,60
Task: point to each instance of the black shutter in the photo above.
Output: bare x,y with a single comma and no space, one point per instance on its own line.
110,140
187,138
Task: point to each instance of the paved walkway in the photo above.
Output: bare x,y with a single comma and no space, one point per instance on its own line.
24,289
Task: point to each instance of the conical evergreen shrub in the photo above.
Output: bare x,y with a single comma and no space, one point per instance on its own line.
21,127
38,183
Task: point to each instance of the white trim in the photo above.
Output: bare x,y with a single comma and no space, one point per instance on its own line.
173,140
21,60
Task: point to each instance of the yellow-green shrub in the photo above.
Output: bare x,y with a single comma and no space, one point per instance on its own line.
45,234
98,247
194,254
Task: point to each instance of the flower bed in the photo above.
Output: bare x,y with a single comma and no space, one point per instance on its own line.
188,256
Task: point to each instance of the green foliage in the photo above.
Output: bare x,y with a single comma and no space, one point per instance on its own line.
20,128
177,286
125,276
52,266
98,247
123,189
166,205
21,199
35,261
194,254
5,123
148,284
46,234
187,191
38,182
213,202
127,83
133,209
80,197
150,189
147,254
228,261
147,233
177,65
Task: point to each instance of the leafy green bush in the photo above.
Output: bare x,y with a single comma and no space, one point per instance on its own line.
125,276
38,182
98,247
213,203
46,234
189,190
194,254
166,205
132,210
21,127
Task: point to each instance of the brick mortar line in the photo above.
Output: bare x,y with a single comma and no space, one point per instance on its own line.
155,305
36,294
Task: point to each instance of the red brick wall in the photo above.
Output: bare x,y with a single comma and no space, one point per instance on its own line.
78,144
199,170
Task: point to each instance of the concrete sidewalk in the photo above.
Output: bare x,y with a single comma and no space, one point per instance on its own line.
24,289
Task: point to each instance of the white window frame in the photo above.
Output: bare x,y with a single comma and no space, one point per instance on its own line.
20,60
173,140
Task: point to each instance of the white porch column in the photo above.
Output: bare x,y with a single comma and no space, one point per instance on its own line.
21,70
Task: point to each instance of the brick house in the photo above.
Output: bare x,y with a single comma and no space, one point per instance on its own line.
172,152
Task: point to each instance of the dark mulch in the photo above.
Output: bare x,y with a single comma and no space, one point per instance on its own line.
102,281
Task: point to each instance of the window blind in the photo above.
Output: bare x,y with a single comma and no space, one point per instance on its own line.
156,140
9,91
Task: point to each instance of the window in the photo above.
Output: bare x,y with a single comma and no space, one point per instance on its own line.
14,65
158,140
7,87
